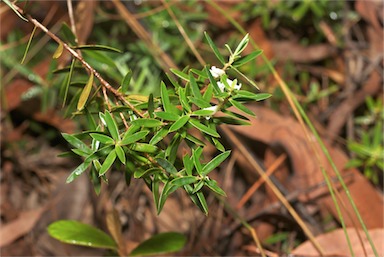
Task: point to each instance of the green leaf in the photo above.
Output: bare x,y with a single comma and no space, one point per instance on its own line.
180,74
201,74
194,87
102,138
7,2
129,139
212,184
77,143
203,203
167,116
218,145
214,49
182,181
179,123
243,60
67,82
242,94
144,148
151,106
231,121
215,162
242,45
165,98
160,243
167,166
78,171
148,123
241,107
208,93
155,188
183,99
120,153
188,164
194,140
112,126
85,93
28,44
68,34
125,82
108,162
168,189
203,112
198,186
98,48
196,160
159,136
140,173
77,233
200,102
203,128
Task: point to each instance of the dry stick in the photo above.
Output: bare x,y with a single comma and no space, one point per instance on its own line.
260,181
183,33
236,142
103,82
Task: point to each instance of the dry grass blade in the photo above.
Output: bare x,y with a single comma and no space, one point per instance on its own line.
236,142
164,60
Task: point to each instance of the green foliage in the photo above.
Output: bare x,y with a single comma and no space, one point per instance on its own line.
368,150
77,233
132,132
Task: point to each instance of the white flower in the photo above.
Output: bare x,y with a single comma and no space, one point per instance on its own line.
232,84
214,108
216,72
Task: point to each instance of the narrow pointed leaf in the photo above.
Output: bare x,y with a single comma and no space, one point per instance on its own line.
167,116
85,94
198,186
183,100
182,181
77,143
129,139
214,48
151,106
77,233
194,86
125,82
160,243
98,48
203,128
28,44
68,34
7,2
144,148
213,81
167,166
150,171
212,184
168,189
243,60
165,98
120,153
179,123
108,162
215,162
159,136
203,203
102,138
241,107
112,126
180,74
77,172
148,123
242,94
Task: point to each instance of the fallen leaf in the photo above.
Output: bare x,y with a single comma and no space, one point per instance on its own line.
335,243
22,225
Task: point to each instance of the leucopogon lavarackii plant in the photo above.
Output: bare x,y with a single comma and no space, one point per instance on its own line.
145,136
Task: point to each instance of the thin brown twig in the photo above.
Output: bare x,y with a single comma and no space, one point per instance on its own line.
103,82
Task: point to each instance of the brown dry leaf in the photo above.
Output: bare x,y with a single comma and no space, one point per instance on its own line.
335,243
273,129
22,225
293,51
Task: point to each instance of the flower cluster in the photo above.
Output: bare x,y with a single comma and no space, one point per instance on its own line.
217,73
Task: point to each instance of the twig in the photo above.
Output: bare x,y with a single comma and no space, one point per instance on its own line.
103,82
